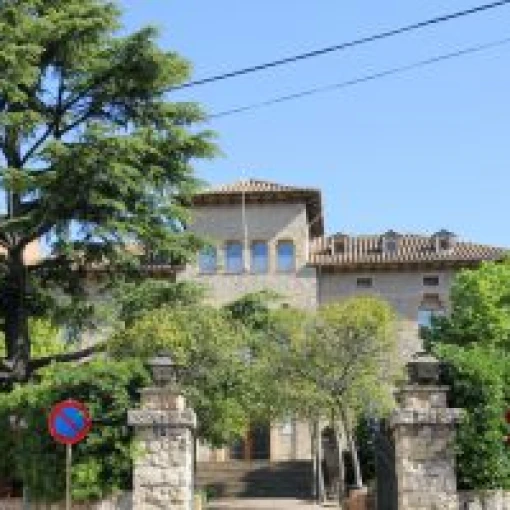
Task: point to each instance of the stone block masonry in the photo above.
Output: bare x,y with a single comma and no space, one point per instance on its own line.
423,432
163,471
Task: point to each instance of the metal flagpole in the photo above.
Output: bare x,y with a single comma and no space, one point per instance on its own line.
245,224
69,453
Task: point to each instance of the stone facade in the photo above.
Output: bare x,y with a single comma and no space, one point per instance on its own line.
265,222
415,277
484,500
163,472
290,441
404,290
423,432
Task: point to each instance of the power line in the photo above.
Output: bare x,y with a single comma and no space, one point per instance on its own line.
364,79
345,45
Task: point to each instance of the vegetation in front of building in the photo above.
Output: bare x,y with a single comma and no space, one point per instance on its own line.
95,159
474,341
102,463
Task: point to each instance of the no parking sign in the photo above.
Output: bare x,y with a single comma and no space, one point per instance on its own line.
69,422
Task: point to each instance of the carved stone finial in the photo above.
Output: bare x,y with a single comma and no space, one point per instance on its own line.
164,370
424,369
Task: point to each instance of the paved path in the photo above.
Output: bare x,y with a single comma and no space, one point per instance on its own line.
263,504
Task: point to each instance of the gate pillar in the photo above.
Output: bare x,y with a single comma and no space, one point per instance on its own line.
164,426
423,431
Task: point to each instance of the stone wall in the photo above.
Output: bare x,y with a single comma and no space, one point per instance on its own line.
163,472
423,429
404,290
484,500
290,441
122,502
266,222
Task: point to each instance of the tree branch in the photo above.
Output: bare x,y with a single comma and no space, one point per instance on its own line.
40,230
61,109
49,263
37,144
82,354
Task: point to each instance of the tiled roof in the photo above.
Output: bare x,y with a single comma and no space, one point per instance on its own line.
367,251
256,191
255,186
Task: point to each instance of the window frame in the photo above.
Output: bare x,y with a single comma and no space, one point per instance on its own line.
366,279
253,269
390,245
279,268
226,246
427,280
201,254
433,306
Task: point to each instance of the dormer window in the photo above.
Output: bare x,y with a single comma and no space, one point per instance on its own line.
390,245
444,241
390,242
339,243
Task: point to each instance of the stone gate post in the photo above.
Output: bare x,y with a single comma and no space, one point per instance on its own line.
423,429
164,426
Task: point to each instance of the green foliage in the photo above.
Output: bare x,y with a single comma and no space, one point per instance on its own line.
102,462
480,310
47,338
133,299
342,356
357,340
254,309
93,155
211,347
474,340
479,377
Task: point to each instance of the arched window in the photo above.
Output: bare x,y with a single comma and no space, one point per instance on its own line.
285,256
208,260
259,257
234,257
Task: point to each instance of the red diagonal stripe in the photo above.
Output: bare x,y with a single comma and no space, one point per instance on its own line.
68,421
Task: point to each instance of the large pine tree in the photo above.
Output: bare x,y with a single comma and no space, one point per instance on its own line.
94,158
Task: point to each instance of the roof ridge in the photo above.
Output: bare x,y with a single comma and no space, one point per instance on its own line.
414,248
253,184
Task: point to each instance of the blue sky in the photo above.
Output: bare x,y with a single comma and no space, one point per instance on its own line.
414,152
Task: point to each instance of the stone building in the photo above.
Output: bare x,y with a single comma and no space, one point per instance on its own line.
270,236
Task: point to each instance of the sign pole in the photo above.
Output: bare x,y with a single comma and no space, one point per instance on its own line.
69,423
69,453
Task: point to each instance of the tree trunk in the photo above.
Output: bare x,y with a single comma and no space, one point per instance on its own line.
313,434
341,467
16,317
358,479
320,474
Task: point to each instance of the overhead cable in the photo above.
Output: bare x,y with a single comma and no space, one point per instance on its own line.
349,44
363,79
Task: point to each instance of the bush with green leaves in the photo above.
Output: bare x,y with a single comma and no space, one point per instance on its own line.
479,377
211,348
474,341
102,462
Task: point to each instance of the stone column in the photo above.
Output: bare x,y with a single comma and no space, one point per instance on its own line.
163,470
423,429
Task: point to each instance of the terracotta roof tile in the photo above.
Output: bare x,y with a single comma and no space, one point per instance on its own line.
258,191
253,186
358,251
